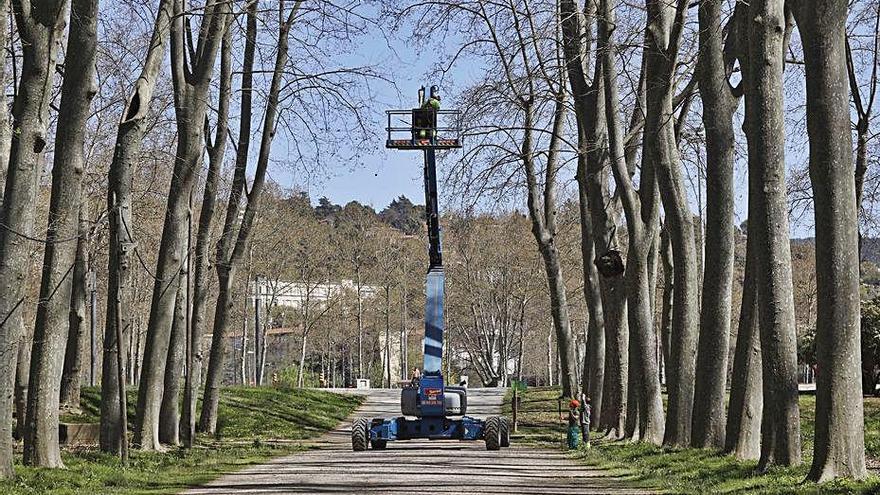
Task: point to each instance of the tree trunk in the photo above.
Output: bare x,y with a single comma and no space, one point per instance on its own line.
719,105
216,153
544,231
192,84
5,129
642,219
743,435
22,380
41,28
208,418
169,412
765,131
129,140
41,446
839,442
661,53
71,378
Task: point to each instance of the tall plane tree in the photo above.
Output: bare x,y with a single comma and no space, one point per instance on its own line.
608,335
768,224
665,24
191,75
53,309
720,101
40,25
839,443
233,245
216,153
641,209
129,141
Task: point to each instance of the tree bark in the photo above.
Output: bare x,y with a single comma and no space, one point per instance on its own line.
169,412
765,132
40,27
129,139
719,105
22,380
839,441
5,129
71,378
666,305
743,435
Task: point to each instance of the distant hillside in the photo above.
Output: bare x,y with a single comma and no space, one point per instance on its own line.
870,247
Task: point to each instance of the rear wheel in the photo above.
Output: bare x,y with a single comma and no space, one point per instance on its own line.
360,434
492,433
505,432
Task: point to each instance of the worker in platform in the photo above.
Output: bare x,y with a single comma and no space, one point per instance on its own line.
432,103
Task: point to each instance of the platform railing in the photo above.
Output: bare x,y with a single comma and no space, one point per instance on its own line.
402,133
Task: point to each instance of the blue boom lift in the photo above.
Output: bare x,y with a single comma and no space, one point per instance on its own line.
430,409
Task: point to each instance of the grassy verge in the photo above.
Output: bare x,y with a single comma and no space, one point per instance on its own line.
254,424
692,471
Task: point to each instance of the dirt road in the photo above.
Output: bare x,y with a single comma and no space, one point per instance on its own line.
419,467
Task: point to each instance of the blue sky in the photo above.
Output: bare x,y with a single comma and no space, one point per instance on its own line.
381,175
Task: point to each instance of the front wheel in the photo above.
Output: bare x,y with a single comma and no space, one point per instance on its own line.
492,432
360,434
505,432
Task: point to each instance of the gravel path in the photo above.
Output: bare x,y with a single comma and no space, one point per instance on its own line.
419,467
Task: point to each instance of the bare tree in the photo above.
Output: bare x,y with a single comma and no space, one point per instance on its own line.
720,101
606,301
839,443
768,224
191,76
129,141
232,247
40,25
665,24
864,106
53,310
216,154
641,212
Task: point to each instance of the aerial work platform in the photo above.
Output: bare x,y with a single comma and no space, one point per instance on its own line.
430,409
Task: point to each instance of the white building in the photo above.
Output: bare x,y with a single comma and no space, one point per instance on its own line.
294,294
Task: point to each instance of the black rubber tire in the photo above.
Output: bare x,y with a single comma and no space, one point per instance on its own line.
360,434
378,444
492,433
505,432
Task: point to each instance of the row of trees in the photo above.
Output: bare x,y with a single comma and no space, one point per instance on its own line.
101,101
603,90
599,91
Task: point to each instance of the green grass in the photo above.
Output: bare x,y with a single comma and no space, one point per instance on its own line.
692,471
254,424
